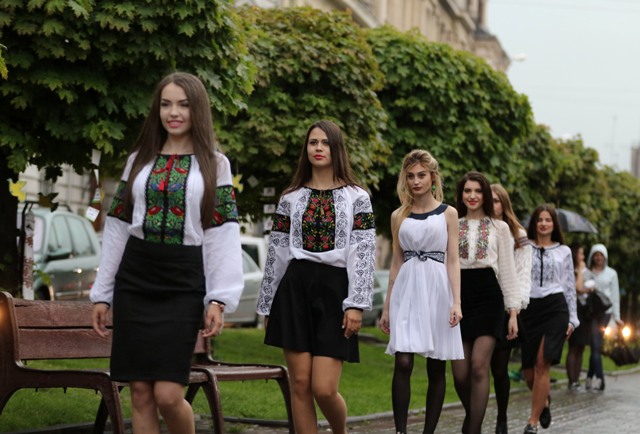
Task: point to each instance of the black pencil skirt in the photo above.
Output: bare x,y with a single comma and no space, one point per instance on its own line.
546,317
482,304
157,311
306,314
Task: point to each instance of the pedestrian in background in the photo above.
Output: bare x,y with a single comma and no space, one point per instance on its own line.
522,257
606,281
489,287
551,315
319,276
422,308
171,243
582,334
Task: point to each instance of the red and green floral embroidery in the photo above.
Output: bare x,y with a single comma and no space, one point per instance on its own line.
166,199
226,210
281,223
117,206
319,222
483,238
482,243
364,221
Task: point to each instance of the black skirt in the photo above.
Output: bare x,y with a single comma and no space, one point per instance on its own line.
482,304
157,311
581,335
306,314
546,317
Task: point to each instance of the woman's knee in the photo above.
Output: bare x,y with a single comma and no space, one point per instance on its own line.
142,394
168,396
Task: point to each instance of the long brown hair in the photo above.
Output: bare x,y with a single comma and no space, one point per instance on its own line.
405,194
508,216
487,197
556,234
153,136
339,158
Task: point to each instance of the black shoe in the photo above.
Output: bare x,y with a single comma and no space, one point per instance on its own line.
601,387
501,427
545,415
530,429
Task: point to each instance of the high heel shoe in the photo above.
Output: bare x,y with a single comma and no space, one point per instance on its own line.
531,429
545,414
501,427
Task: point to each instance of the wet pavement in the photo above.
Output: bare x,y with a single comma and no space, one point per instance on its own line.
615,410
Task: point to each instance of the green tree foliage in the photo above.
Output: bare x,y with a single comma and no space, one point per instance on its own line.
311,65
4,73
450,103
82,72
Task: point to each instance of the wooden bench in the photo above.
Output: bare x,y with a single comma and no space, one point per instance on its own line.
46,330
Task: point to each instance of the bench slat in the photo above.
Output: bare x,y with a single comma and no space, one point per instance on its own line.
61,314
38,344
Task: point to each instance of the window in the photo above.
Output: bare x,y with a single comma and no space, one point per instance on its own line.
81,242
60,237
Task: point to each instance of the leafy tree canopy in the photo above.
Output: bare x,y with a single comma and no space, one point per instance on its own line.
452,104
311,65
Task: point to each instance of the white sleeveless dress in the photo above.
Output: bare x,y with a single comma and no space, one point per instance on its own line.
421,297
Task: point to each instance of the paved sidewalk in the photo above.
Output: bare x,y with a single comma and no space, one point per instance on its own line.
616,410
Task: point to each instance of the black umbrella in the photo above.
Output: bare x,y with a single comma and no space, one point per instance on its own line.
571,222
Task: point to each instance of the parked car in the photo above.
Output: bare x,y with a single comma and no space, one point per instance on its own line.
256,247
66,253
246,313
380,283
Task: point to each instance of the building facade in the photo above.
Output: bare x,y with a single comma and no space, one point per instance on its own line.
458,23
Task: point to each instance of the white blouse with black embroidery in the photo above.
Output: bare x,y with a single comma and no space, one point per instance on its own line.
334,227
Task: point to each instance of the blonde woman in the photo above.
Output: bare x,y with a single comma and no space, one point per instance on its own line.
422,308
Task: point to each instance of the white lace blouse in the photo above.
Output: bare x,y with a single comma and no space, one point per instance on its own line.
487,243
522,257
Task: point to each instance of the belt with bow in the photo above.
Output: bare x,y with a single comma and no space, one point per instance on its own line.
423,256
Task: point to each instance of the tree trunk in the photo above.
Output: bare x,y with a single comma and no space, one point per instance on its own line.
9,261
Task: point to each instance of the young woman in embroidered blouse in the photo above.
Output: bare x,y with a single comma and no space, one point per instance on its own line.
319,276
522,256
551,315
489,286
422,307
170,252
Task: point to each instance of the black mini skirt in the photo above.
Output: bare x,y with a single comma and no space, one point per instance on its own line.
482,304
157,311
546,317
306,314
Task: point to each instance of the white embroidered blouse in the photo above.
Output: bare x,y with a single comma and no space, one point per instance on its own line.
487,243
334,227
552,273
522,257
167,194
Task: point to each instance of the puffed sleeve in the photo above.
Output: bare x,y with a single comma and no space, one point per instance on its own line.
361,259
568,279
114,239
507,277
221,247
522,257
278,256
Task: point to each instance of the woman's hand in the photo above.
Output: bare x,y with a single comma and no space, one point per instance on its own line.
569,330
99,319
351,322
214,321
384,321
512,328
455,315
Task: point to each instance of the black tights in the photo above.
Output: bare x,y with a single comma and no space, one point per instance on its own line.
471,379
501,382
401,391
574,362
